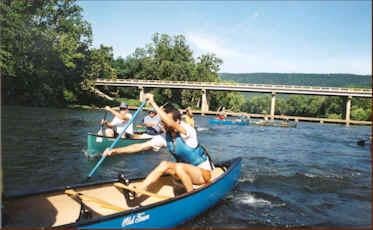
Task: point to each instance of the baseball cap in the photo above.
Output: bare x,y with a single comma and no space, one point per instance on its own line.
123,105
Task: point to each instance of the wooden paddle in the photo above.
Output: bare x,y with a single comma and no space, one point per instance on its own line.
136,190
102,203
117,139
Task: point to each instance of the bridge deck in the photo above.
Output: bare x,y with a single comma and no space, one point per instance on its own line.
286,89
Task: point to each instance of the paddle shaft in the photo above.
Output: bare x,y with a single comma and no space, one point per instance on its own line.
117,139
102,125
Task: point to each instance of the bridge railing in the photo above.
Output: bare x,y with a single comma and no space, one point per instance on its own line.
230,84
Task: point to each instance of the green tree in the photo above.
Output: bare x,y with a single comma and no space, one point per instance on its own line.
44,44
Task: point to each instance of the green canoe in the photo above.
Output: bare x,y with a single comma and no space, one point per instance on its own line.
96,144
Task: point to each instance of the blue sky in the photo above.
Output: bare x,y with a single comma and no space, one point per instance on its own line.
249,36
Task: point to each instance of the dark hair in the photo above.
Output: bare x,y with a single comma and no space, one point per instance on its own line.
176,115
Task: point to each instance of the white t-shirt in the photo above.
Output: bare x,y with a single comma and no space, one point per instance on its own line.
190,138
157,142
120,124
155,120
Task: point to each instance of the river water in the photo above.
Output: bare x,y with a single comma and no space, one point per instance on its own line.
312,175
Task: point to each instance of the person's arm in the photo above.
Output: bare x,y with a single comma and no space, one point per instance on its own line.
166,119
156,143
107,123
134,148
115,113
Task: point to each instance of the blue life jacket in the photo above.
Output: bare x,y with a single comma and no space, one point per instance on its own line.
184,153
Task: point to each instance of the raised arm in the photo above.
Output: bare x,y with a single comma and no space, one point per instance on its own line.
164,117
115,113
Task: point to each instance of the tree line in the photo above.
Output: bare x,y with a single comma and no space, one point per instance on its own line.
47,59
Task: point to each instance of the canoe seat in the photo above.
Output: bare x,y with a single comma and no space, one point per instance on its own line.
108,194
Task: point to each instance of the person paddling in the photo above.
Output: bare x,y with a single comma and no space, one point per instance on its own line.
193,166
188,117
152,123
119,121
222,114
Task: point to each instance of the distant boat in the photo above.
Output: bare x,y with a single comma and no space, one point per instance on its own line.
200,129
362,142
228,122
284,124
112,204
96,144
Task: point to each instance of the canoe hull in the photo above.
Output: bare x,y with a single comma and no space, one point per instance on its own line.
57,209
163,215
97,144
227,122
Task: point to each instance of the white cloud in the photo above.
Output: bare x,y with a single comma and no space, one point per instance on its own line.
239,61
211,44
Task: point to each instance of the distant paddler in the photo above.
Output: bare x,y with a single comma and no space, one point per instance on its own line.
222,114
119,121
152,122
188,117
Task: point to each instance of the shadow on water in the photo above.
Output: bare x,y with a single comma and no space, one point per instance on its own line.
312,175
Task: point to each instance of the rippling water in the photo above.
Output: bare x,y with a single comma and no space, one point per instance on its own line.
314,174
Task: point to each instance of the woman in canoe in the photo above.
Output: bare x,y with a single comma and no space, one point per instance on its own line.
193,166
119,121
188,117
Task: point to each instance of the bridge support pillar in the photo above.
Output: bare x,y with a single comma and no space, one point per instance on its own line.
348,109
273,102
204,104
141,98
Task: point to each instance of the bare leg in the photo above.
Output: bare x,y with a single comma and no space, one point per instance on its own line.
188,174
198,176
163,167
184,177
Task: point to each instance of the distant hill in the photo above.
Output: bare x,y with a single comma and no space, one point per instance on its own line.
328,80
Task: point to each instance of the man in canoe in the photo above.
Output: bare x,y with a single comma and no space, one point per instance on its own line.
152,123
119,121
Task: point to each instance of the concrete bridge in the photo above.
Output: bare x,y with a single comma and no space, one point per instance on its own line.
240,87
